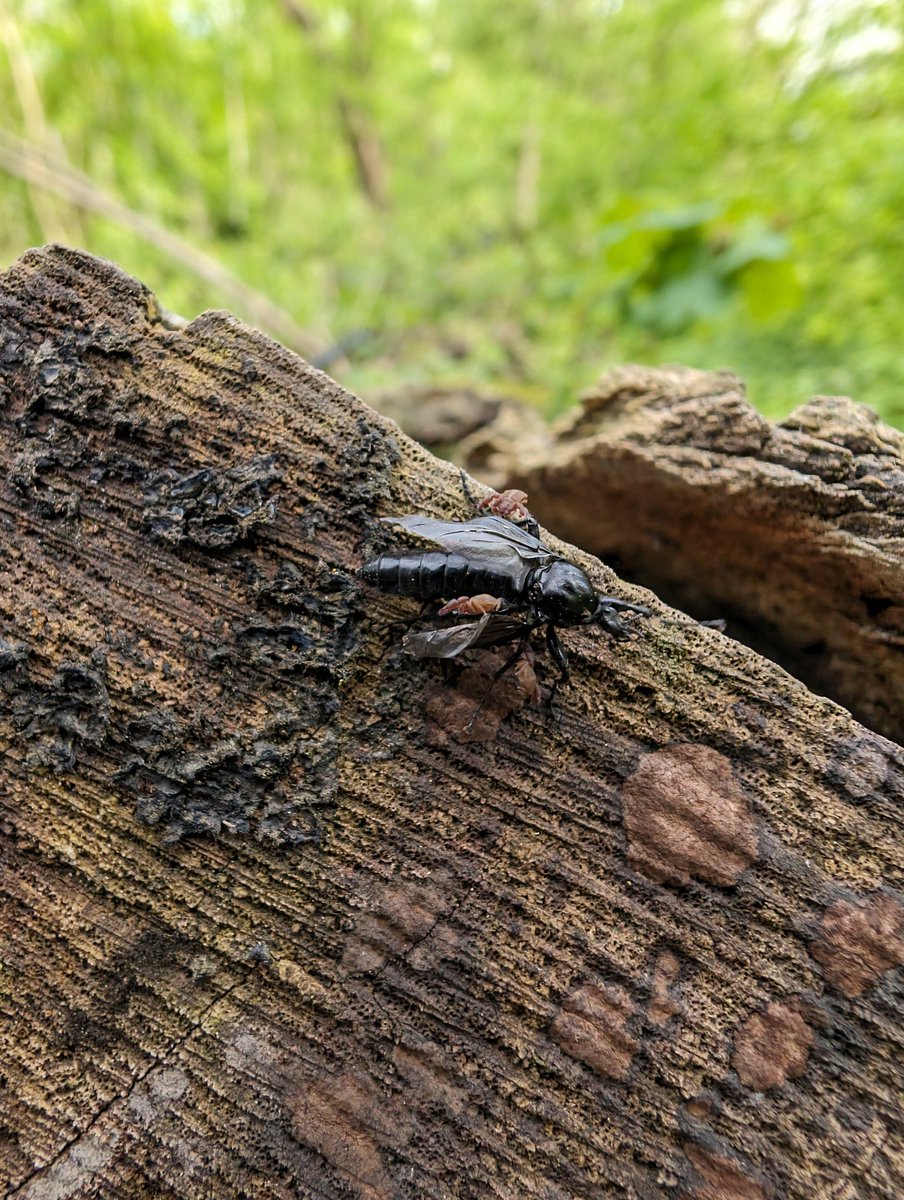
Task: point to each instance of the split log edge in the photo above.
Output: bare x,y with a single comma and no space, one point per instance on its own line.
793,531
649,949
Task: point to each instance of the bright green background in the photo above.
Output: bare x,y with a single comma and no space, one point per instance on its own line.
561,185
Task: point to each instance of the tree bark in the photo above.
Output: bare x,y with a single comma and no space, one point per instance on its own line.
276,925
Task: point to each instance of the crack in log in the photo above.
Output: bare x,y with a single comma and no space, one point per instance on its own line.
21,1189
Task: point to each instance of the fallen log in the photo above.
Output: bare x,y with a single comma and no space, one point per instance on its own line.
275,924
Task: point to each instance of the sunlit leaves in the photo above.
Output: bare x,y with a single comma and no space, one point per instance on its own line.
694,196
679,267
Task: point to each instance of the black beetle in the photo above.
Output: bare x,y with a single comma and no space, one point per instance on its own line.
503,576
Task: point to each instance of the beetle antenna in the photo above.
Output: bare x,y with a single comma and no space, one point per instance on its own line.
716,623
609,607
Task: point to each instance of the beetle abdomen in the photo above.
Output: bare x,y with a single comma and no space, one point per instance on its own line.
434,574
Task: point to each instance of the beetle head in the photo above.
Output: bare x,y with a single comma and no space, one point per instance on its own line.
564,595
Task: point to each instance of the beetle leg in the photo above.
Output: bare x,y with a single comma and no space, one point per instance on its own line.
612,623
557,651
626,606
507,665
471,606
560,658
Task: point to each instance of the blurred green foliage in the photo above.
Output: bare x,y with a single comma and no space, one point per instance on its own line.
519,194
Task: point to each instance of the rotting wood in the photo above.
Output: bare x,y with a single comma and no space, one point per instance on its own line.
792,531
496,970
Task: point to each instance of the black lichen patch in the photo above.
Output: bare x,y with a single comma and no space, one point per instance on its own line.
266,782
59,719
284,646
211,510
65,415
13,658
39,473
103,338
365,465
13,346
54,372
272,779
59,383
329,598
115,464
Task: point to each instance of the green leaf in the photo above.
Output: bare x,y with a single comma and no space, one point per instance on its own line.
682,302
770,289
756,242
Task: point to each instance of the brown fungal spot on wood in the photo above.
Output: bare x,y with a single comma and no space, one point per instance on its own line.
859,940
427,1078
699,1107
400,918
663,1006
592,1026
527,679
861,766
771,1047
687,817
346,1120
720,1177
451,709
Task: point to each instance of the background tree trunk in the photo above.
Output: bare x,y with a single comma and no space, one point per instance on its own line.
643,950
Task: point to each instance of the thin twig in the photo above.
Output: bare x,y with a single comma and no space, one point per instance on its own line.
24,161
53,227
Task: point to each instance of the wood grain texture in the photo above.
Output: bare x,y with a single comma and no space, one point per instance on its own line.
273,927
793,531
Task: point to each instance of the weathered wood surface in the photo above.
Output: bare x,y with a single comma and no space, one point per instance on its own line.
793,531
648,950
